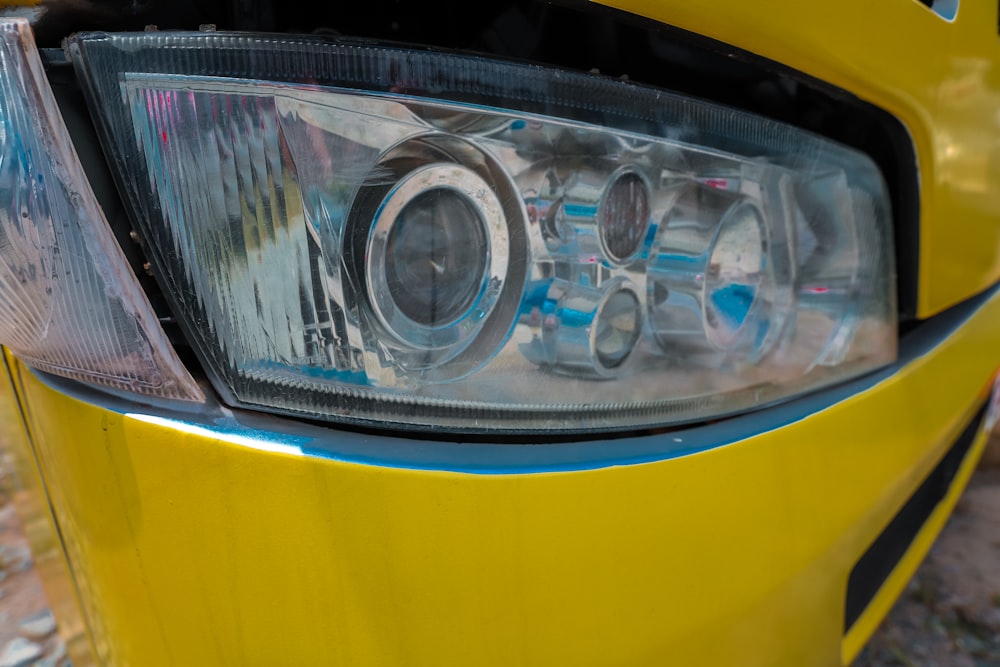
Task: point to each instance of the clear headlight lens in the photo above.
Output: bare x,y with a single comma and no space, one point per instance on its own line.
377,234
68,303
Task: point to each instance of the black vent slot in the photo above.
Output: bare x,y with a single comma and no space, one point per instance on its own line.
878,562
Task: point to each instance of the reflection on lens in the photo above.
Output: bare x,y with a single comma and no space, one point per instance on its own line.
617,328
435,257
624,216
711,287
584,331
735,273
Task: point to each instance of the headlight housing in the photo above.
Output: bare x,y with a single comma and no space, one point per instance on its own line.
379,234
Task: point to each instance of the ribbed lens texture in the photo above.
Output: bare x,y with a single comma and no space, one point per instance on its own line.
68,303
379,256
26,235
223,162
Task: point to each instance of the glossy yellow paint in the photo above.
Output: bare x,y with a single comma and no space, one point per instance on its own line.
204,550
940,78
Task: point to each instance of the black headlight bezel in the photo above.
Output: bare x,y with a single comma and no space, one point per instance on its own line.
855,125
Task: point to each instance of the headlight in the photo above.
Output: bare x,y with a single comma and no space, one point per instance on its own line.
377,234
68,302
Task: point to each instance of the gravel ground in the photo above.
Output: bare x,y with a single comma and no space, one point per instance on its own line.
948,617
27,630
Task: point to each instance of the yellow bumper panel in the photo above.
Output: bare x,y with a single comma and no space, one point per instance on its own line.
196,545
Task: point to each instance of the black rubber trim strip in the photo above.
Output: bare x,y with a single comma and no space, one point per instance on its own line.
878,562
489,454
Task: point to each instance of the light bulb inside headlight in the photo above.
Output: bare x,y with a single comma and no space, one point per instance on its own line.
586,331
623,215
437,240
429,273
436,256
711,286
429,247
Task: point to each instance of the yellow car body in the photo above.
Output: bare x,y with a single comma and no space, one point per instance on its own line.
243,539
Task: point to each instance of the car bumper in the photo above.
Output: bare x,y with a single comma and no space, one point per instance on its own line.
230,538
